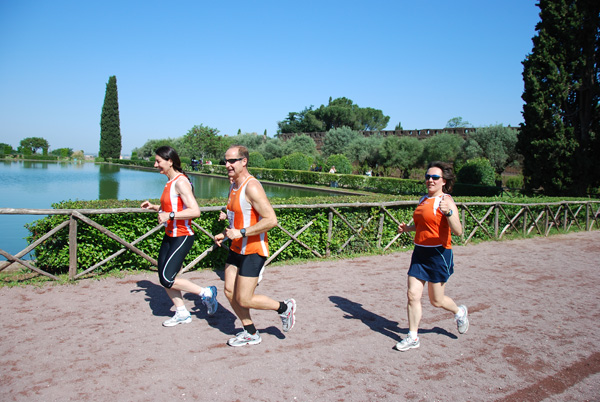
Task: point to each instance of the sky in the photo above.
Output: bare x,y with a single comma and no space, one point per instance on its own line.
244,65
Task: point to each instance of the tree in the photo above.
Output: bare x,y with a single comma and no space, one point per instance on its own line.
398,127
497,143
203,140
457,122
401,152
336,140
252,141
6,149
300,143
365,150
341,163
147,150
560,135
337,113
62,152
272,148
442,147
110,124
34,143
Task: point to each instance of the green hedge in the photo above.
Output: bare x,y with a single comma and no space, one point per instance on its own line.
53,254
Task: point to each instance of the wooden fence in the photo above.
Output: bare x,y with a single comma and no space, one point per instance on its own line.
536,219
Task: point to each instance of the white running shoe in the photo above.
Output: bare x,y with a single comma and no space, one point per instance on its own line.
407,343
244,338
211,302
177,319
462,323
288,319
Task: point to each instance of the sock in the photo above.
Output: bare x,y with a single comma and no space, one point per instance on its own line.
460,314
182,311
251,329
206,292
413,335
282,308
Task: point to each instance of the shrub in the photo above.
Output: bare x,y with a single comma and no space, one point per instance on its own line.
273,163
296,161
341,163
256,160
514,181
477,171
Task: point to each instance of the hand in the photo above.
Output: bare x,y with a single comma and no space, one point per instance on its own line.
219,239
163,217
403,228
233,233
146,204
222,216
446,205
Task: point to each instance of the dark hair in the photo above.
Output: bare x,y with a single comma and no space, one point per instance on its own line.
169,154
447,174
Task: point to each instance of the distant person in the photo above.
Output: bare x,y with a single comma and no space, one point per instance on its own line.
250,217
194,163
369,173
432,259
332,170
209,162
177,208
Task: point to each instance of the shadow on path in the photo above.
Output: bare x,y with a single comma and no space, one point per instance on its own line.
377,323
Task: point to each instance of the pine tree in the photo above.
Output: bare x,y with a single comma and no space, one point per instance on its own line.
560,136
110,125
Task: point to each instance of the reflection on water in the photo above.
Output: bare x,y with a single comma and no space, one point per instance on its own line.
38,185
108,182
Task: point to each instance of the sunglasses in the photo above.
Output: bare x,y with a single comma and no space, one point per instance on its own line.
232,161
432,176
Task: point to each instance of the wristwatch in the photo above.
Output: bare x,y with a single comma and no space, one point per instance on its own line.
243,232
171,216
449,213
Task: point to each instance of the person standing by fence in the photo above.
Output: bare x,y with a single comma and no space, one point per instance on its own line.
250,216
177,208
432,261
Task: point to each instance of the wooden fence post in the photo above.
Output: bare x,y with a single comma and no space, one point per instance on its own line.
72,247
329,234
496,220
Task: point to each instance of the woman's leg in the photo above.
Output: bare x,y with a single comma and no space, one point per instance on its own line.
414,309
439,299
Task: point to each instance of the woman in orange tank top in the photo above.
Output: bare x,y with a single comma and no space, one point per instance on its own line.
432,261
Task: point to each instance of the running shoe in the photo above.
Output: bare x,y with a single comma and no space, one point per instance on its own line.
211,302
407,343
462,323
178,319
244,338
288,319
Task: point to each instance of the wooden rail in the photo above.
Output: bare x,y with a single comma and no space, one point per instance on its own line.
536,218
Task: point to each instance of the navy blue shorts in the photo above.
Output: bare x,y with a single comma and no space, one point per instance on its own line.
432,264
250,265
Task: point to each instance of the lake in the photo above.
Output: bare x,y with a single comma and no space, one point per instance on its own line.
37,185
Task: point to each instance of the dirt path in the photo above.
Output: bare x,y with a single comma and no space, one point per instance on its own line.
534,308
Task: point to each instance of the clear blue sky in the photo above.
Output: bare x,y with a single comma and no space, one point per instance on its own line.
246,64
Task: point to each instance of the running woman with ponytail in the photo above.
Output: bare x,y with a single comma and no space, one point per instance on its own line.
177,208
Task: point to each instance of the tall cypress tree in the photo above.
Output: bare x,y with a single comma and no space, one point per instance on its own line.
110,124
560,136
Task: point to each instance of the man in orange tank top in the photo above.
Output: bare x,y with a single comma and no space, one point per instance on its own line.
250,216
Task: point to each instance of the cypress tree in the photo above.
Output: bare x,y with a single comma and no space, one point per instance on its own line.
110,125
560,136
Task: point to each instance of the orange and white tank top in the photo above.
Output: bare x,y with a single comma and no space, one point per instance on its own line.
241,215
432,229
170,201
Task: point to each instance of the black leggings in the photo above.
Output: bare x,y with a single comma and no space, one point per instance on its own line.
173,251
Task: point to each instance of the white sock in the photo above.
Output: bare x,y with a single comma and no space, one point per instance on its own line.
460,314
182,311
206,292
413,335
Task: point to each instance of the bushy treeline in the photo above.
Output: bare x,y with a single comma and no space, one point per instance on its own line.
483,155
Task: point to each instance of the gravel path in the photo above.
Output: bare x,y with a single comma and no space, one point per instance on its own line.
534,310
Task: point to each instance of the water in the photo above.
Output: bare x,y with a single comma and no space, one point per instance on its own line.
37,185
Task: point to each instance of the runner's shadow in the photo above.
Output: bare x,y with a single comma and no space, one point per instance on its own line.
162,306
157,298
378,323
